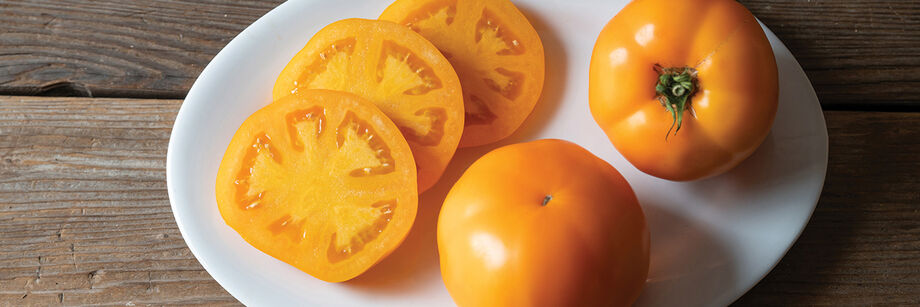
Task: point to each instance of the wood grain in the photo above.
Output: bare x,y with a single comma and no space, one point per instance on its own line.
115,48
84,214
85,219
862,245
859,54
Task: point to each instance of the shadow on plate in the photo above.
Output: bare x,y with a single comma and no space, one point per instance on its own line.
687,260
416,260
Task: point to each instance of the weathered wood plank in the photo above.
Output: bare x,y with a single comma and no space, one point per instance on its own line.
85,219
84,214
115,48
862,245
857,53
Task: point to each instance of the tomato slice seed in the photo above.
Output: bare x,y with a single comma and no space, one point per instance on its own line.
477,112
492,34
369,233
364,131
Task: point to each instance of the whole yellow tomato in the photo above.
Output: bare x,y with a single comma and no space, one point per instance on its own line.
684,89
544,223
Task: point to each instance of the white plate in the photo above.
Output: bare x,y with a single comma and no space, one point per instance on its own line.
712,240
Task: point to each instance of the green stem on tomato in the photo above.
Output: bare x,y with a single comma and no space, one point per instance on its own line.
674,88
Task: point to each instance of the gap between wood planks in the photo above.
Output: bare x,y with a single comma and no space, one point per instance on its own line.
76,89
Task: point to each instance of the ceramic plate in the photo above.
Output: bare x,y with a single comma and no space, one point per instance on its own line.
712,240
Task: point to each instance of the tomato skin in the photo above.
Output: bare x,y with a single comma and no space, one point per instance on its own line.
734,104
500,246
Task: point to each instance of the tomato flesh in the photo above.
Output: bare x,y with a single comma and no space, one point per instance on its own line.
398,70
321,180
496,53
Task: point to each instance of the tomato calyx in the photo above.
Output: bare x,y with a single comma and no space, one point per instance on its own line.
674,88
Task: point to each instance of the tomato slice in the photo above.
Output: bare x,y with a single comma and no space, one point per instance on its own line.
496,53
397,69
322,180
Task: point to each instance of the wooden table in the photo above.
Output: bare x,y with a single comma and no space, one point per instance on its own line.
84,214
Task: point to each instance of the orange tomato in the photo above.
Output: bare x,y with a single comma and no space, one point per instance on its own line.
398,70
322,180
495,51
544,223
684,89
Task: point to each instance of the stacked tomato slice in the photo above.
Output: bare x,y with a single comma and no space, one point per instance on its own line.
496,52
321,180
366,116
398,70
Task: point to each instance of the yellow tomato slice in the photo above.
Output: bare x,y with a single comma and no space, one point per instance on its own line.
495,51
398,70
322,180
